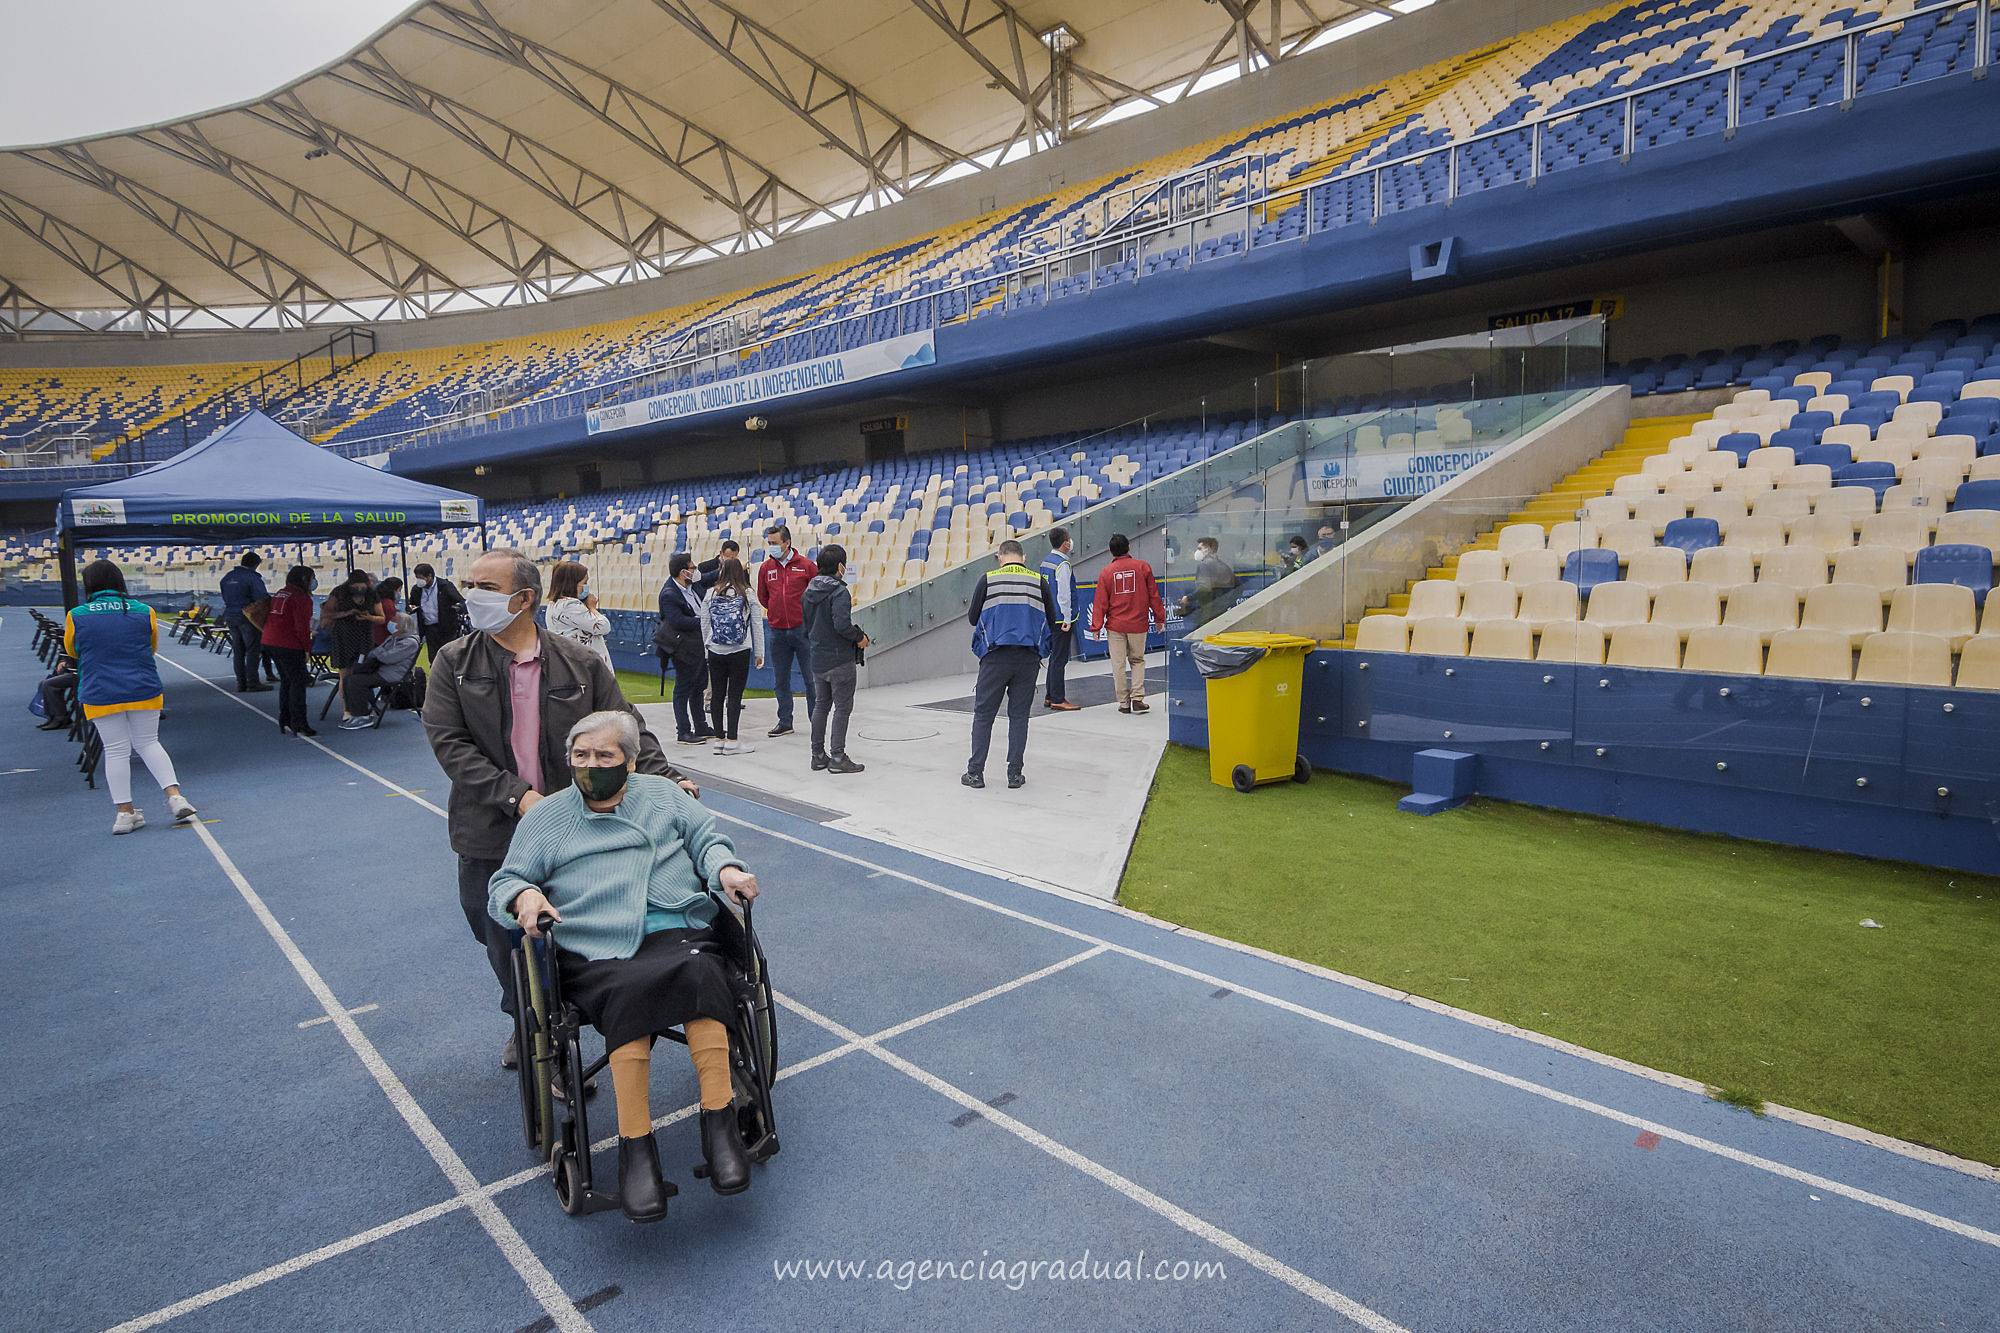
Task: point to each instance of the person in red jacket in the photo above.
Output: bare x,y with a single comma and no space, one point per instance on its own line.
287,637
1127,604
782,576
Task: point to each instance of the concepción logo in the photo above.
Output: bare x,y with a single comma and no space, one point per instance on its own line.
1330,468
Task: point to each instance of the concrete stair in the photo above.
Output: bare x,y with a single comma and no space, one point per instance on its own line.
1643,438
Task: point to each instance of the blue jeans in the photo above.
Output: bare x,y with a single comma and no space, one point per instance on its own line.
783,645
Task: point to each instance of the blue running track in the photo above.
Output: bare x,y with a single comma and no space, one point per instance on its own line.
1071,1108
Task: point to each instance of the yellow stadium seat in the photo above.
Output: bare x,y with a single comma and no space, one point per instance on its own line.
1764,607
1979,663
1810,654
1724,650
1943,609
1490,599
1382,634
1649,647
1853,609
1549,602
1619,603
1507,639
1440,636
1905,659
1685,607
1571,641
1655,566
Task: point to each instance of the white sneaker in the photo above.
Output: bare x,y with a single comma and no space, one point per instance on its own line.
183,809
722,747
128,821
738,747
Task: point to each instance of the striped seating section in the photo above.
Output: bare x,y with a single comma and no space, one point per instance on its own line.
1610,50
103,403
900,521
1789,533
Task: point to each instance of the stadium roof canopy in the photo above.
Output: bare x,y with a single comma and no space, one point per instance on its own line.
480,153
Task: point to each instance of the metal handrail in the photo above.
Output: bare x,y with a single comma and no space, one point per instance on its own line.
1011,280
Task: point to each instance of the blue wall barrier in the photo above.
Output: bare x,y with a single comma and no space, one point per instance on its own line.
1877,770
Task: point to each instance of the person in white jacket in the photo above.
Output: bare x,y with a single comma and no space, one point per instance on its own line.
732,631
573,609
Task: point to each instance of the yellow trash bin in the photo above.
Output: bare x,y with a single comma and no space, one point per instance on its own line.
1254,679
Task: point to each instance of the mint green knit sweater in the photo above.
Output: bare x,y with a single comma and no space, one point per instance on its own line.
608,873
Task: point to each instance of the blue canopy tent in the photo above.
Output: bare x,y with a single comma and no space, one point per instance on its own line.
253,480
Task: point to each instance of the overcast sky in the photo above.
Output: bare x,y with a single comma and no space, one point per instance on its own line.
78,67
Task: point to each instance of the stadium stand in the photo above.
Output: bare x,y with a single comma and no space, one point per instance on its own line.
1534,102
1839,521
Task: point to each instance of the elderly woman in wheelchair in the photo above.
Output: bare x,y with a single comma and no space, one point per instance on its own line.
615,876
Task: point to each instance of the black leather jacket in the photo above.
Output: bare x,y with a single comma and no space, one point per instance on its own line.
468,712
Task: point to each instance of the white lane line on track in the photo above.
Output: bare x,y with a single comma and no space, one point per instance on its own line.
1737,1155
1893,1206
540,1282
315,1022
445,1206
1139,1194
325,750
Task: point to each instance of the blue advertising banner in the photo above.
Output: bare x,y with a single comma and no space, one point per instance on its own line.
881,358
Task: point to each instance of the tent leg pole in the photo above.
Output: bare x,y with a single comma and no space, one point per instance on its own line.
350,553
483,545
403,551
67,549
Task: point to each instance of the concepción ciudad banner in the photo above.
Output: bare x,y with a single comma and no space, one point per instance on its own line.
879,358
1381,472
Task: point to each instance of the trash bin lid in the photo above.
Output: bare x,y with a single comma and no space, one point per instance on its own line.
1261,638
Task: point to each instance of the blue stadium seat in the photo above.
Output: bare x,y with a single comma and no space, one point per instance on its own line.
1589,567
1739,443
1982,494
1835,456
1688,535
1967,566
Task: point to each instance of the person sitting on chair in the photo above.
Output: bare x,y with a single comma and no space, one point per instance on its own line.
621,861
384,664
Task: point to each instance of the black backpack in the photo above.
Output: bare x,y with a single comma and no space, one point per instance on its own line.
409,691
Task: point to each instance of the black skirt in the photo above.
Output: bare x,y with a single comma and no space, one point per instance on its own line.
676,975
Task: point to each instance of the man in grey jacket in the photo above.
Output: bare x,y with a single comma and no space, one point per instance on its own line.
499,709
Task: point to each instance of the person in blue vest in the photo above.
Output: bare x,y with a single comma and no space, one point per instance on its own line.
1012,611
1061,578
245,604
113,639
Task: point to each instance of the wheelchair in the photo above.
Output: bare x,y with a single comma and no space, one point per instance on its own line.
548,1033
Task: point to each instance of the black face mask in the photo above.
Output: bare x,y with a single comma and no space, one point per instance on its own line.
600,784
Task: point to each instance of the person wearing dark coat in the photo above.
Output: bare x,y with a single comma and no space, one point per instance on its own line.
498,712
438,606
678,641
835,641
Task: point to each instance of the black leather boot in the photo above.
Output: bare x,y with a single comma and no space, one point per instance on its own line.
641,1193
722,1145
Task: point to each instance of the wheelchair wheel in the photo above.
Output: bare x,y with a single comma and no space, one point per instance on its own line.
569,1185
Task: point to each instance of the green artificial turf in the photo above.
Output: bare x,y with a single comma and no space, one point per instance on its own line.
643,687
1741,964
